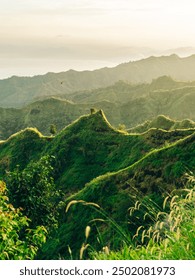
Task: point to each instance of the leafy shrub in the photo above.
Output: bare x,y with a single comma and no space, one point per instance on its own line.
17,241
33,189
53,129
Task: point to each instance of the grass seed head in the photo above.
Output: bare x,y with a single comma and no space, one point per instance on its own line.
83,248
87,231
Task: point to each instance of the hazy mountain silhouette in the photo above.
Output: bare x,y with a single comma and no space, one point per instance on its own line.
18,91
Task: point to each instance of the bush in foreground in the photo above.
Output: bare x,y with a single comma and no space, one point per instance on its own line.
17,240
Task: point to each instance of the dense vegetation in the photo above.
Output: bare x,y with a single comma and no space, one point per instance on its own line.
91,183
17,240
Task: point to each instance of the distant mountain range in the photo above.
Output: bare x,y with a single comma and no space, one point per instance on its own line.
20,91
123,103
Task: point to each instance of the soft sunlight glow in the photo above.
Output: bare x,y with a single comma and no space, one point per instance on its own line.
90,30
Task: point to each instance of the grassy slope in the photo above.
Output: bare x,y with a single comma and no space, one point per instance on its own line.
154,175
42,114
121,91
21,148
178,104
174,239
91,146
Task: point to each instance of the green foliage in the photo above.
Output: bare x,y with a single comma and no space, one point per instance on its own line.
34,190
20,149
17,240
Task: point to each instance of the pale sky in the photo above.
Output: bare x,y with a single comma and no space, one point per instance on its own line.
39,36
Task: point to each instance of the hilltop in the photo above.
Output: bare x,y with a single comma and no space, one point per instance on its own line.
20,91
163,122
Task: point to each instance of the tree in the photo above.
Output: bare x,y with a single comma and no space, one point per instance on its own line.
93,111
34,190
122,127
53,129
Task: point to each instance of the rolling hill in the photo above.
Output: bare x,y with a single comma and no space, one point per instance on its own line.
96,163
152,177
87,148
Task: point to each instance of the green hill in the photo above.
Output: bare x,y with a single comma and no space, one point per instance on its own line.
87,148
163,122
93,162
90,147
177,104
83,150
41,114
21,148
147,181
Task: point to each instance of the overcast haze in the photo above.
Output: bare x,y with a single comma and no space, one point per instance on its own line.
38,36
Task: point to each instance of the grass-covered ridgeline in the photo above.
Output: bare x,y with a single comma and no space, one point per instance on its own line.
148,181
87,148
106,179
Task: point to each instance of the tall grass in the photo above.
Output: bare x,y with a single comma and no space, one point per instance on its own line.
172,236
105,218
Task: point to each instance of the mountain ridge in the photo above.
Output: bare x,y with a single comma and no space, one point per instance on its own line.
123,103
19,91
